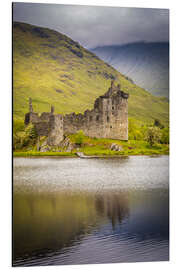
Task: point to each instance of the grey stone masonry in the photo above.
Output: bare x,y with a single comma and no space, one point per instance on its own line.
108,119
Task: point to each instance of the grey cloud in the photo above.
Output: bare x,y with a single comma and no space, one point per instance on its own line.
95,26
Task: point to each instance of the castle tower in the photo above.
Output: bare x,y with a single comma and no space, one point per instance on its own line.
115,113
30,117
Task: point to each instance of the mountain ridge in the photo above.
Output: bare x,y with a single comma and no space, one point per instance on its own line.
51,68
146,63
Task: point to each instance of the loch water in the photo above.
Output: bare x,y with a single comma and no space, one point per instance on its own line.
82,211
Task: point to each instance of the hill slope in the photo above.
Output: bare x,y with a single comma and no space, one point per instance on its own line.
53,69
146,63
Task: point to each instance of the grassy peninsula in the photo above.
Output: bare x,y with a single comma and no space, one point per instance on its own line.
143,141
130,148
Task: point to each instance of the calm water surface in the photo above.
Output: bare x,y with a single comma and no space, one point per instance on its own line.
76,211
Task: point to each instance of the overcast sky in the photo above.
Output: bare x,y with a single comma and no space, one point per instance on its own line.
95,26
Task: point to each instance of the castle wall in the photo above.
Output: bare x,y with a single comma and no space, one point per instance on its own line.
56,133
108,119
47,124
31,117
42,128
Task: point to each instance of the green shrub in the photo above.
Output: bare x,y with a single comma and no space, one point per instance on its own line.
153,135
79,139
23,136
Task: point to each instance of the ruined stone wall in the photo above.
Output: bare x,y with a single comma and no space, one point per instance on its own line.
31,117
56,133
47,124
108,119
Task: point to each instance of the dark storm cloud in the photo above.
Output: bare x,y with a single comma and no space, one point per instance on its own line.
96,26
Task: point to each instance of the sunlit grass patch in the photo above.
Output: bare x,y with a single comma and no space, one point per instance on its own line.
34,153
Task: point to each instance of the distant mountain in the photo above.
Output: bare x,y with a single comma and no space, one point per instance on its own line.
147,64
53,69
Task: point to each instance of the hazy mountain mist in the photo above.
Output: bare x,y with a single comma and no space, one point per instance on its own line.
147,64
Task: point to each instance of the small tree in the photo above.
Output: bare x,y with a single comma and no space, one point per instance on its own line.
24,136
79,138
30,135
153,135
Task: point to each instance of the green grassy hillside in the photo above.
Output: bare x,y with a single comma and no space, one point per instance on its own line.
53,69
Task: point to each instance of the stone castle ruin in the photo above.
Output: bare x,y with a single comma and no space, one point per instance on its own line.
108,119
